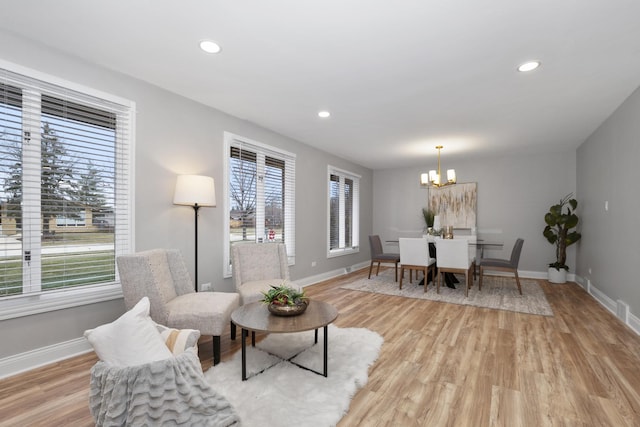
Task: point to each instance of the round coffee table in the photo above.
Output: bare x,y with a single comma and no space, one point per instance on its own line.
255,317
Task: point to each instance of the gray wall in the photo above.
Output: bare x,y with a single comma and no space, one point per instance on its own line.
608,170
173,136
514,193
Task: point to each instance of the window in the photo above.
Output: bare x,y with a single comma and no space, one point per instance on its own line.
260,188
64,174
344,214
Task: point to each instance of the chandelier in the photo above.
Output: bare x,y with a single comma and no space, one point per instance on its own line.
434,178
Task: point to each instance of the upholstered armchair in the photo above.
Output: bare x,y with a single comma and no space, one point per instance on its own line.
258,266
162,276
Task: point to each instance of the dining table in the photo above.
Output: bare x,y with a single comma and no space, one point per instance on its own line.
481,242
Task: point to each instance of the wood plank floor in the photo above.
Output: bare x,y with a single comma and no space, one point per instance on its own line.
440,365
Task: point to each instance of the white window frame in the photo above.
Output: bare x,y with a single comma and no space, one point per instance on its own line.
29,304
355,226
290,226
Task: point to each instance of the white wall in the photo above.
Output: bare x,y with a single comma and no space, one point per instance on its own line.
514,193
608,171
173,136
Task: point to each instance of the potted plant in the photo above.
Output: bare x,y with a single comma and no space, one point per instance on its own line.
284,300
560,220
428,216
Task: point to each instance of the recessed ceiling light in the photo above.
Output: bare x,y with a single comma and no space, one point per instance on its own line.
324,114
210,46
529,66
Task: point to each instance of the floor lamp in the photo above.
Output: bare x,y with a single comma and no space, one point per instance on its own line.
195,191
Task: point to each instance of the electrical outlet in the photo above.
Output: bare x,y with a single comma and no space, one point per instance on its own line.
313,263
589,270
206,287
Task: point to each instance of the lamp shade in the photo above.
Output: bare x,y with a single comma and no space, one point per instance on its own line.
194,190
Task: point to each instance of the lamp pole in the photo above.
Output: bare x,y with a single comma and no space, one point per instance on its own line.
195,210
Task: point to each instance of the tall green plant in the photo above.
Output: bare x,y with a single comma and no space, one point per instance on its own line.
560,219
428,217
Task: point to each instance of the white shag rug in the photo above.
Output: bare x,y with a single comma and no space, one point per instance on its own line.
498,292
287,395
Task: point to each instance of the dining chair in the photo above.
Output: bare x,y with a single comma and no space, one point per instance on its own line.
509,265
454,256
378,255
414,255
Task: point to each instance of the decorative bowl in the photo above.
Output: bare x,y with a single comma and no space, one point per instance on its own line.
288,310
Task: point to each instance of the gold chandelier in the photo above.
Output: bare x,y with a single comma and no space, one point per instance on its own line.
433,178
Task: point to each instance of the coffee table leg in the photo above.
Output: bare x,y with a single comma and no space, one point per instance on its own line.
326,347
244,354
316,341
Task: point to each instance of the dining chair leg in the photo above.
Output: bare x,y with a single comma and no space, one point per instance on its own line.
466,281
370,268
396,271
401,275
480,280
378,269
518,281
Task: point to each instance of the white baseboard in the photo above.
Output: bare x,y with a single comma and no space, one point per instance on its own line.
310,280
618,309
42,356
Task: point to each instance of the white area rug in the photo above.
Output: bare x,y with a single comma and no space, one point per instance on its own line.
497,292
286,395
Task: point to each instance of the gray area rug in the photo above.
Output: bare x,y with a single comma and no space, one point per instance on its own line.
497,292
287,395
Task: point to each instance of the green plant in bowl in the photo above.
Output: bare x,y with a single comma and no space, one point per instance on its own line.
284,295
285,301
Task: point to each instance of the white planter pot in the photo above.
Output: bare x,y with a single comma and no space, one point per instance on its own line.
557,276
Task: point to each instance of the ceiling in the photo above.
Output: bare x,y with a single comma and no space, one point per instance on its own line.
399,77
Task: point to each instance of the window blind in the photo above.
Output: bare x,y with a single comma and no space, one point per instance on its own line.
65,206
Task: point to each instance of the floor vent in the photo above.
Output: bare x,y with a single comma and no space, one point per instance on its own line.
622,310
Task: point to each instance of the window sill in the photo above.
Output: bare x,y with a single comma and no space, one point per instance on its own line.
342,252
33,304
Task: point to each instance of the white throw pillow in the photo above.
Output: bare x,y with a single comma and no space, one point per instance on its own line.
132,339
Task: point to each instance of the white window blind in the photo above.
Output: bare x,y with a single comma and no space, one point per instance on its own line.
65,172
344,214
260,186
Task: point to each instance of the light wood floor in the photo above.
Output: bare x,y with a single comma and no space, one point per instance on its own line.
440,365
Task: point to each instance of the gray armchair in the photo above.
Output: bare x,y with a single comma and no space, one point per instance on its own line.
258,266
509,265
162,276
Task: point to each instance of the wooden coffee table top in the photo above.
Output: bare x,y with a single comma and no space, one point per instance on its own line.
256,317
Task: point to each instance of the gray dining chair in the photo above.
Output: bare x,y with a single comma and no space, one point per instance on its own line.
509,265
378,255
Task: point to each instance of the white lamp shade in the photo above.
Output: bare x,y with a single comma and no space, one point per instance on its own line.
451,175
424,179
194,190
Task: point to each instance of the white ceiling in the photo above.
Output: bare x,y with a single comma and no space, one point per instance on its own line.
399,77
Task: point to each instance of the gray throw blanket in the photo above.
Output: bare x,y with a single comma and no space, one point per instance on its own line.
166,392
